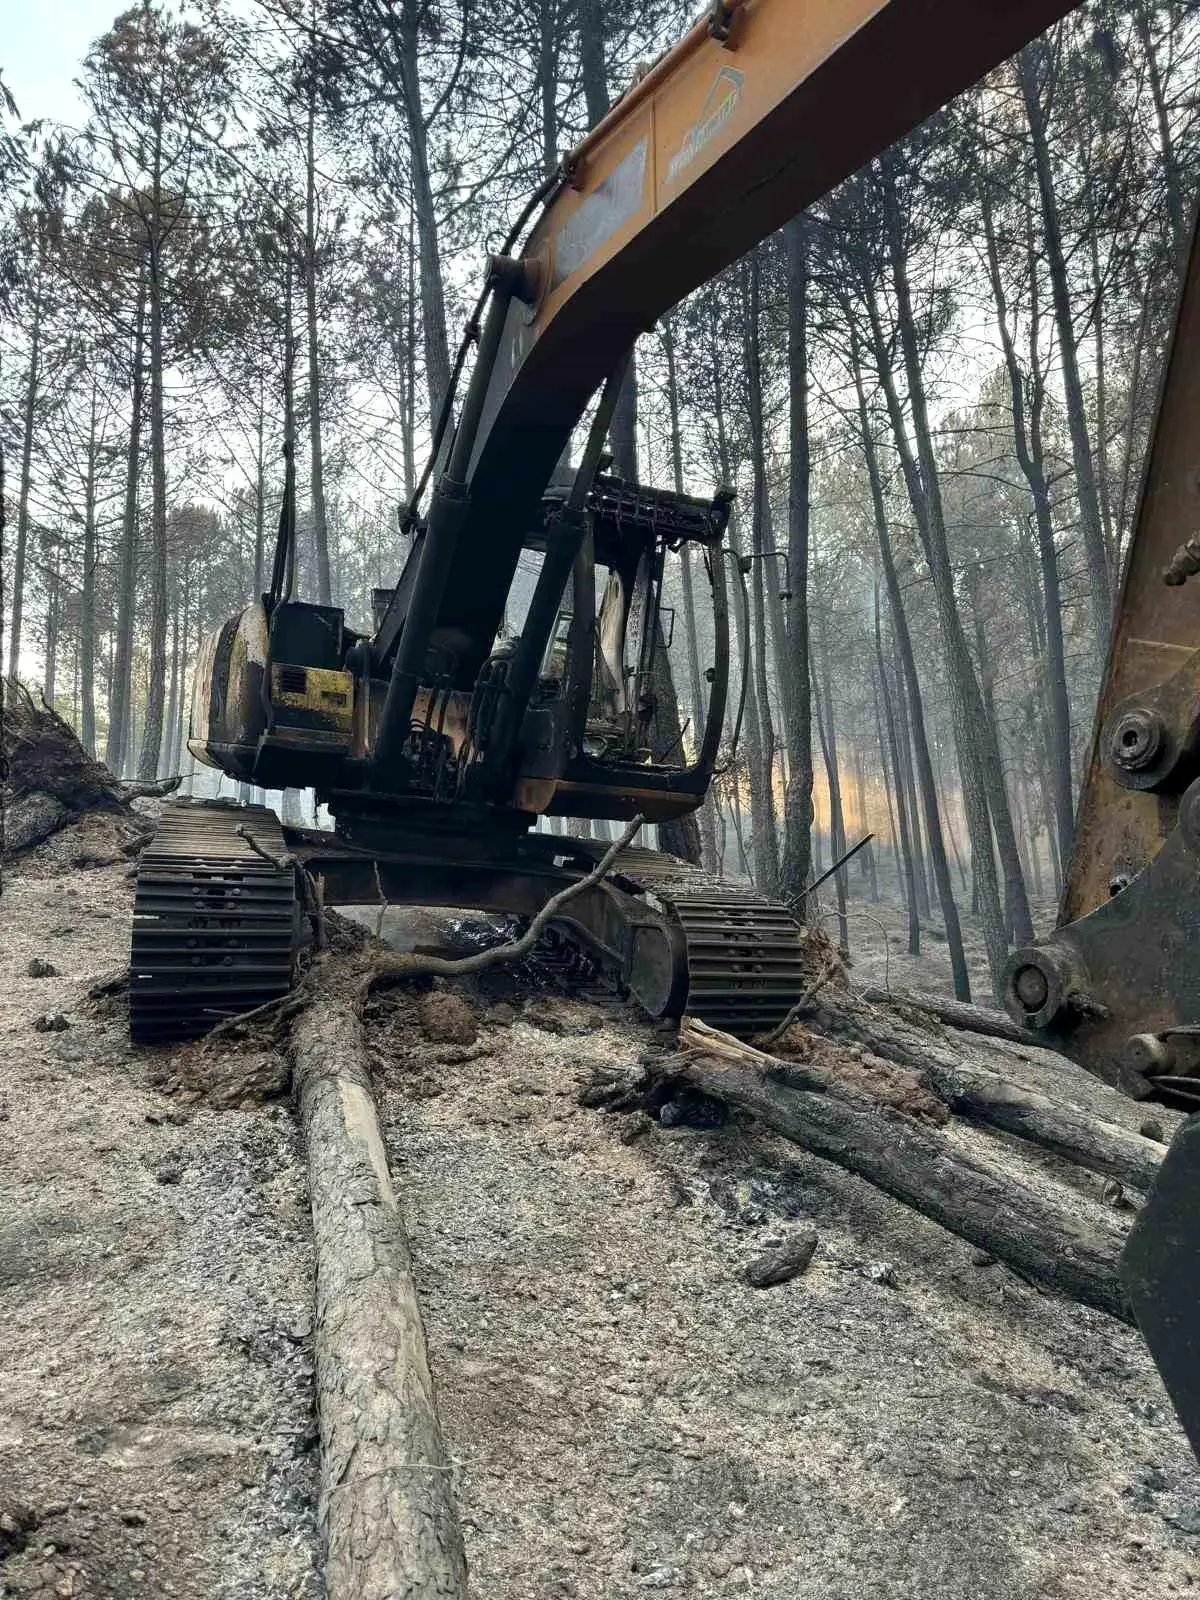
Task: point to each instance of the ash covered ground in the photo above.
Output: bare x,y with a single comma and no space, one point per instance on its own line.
626,1413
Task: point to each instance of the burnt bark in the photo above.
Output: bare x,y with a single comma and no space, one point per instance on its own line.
763,814
901,834
152,724
120,704
705,816
87,597
320,527
24,484
1028,446
981,743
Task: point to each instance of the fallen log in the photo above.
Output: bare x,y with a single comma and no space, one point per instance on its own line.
1044,1242
955,1013
1097,1143
387,1508
49,778
31,819
1103,1147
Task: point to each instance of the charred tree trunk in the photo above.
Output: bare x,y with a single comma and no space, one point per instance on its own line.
120,708
1027,441
87,596
925,494
1032,65
798,796
904,856
24,484
763,820
699,708
1046,1242
320,527
157,643
823,701
433,298
908,671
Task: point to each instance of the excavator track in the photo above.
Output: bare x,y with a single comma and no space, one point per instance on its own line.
216,923
745,954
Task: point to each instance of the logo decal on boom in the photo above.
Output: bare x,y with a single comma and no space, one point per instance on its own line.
714,114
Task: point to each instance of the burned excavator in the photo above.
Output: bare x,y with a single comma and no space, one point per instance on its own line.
439,740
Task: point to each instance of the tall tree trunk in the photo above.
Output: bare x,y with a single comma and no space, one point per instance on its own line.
798,797
408,429
260,497
157,643
593,71
433,297
925,493
87,597
1176,211
827,731
866,856
908,671
908,778
119,742
320,527
1028,445
172,718
548,42
53,621
24,483
182,711
1031,63
763,819
997,788
908,881
885,769
705,816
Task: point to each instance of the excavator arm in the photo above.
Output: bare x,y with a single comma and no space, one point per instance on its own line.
760,109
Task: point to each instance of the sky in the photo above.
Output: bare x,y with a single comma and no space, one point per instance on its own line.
42,44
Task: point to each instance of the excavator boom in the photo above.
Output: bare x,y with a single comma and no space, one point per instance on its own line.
758,111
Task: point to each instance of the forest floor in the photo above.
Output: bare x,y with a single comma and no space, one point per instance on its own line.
878,941
625,1413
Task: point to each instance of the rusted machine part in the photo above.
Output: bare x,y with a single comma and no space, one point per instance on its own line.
1120,988
1117,985
1146,718
216,924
